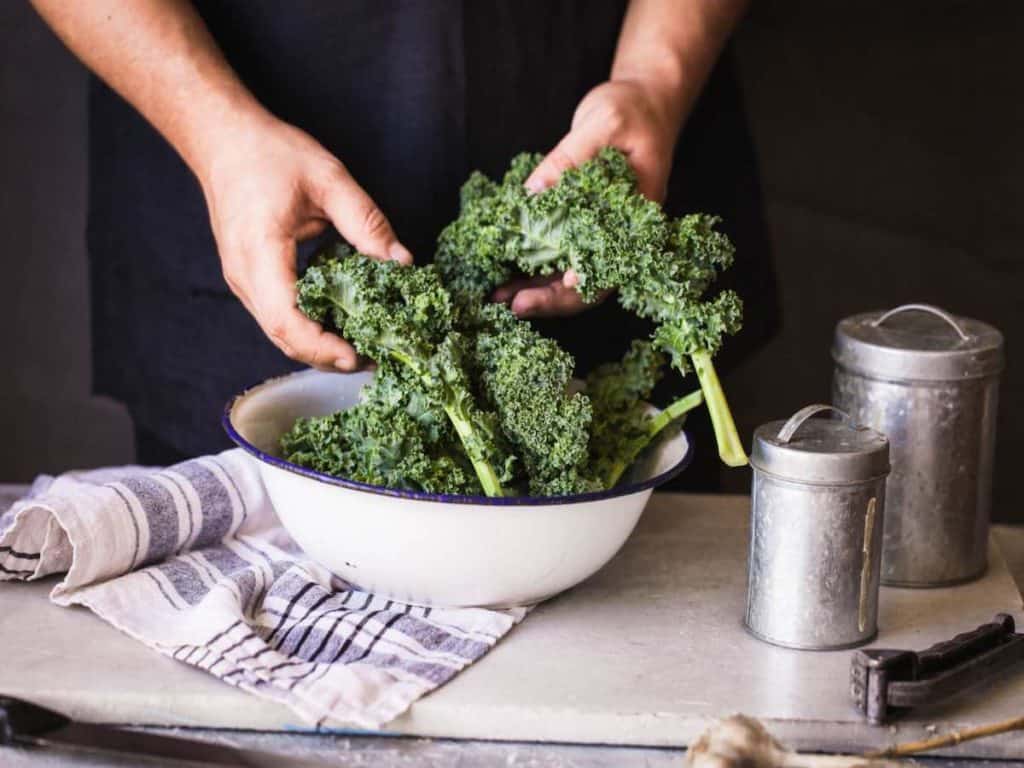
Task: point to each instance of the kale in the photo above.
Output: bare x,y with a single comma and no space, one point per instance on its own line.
394,437
387,311
468,398
525,378
595,222
623,423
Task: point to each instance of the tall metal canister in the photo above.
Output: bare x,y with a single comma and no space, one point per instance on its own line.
817,509
929,381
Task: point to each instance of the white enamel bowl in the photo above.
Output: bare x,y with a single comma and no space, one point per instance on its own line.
432,549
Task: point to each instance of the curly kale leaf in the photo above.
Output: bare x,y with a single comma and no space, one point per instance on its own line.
691,338
592,221
525,378
699,328
621,421
624,425
595,222
405,314
477,428
382,308
664,287
393,437
474,253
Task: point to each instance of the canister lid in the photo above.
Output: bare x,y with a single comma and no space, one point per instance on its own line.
918,342
820,451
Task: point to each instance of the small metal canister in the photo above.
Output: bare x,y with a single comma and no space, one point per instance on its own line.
816,531
929,381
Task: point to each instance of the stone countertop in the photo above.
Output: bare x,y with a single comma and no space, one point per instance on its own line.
389,751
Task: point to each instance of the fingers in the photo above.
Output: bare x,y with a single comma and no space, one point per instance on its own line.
579,145
583,143
503,293
358,219
545,296
554,300
617,114
266,285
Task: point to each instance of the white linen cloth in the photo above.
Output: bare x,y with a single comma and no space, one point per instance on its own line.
192,561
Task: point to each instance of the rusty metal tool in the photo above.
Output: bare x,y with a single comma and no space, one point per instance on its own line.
888,683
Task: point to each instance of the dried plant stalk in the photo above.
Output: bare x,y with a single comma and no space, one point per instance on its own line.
950,739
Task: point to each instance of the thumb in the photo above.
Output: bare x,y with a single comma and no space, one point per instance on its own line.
578,146
358,219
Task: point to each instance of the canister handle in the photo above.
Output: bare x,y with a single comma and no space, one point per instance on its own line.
941,313
797,420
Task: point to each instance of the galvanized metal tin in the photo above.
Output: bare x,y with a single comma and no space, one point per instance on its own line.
930,382
817,512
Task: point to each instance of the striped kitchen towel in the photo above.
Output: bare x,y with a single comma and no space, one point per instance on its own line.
192,561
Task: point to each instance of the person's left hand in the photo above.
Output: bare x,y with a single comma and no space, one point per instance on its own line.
633,116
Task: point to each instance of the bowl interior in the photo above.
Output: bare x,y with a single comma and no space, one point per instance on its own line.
264,413
256,420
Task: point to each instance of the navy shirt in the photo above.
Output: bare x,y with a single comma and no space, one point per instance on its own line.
411,96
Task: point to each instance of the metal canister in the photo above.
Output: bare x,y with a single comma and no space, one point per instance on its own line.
929,381
817,512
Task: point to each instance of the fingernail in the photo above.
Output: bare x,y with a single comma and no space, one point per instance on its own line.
398,252
570,279
534,186
344,364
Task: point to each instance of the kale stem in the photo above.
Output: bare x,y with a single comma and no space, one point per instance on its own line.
730,449
467,435
680,407
655,425
466,432
484,471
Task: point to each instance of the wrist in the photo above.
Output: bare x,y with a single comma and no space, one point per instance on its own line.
216,126
670,47
664,84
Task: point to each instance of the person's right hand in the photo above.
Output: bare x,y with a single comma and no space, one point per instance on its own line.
268,186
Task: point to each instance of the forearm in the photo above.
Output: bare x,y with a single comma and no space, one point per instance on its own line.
672,45
160,57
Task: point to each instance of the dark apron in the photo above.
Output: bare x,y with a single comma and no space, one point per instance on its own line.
411,96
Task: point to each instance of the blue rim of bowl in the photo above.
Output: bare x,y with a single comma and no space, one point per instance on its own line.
450,498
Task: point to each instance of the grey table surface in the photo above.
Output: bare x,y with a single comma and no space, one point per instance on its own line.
386,751
293,751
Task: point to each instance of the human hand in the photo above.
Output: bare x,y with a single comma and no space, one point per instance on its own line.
267,187
638,117
551,295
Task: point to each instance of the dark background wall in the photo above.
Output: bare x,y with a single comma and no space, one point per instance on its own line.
890,139
891,147
47,417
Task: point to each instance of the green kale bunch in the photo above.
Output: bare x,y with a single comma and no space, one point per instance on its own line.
469,399
396,437
526,379
595,222
624,424
402,315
